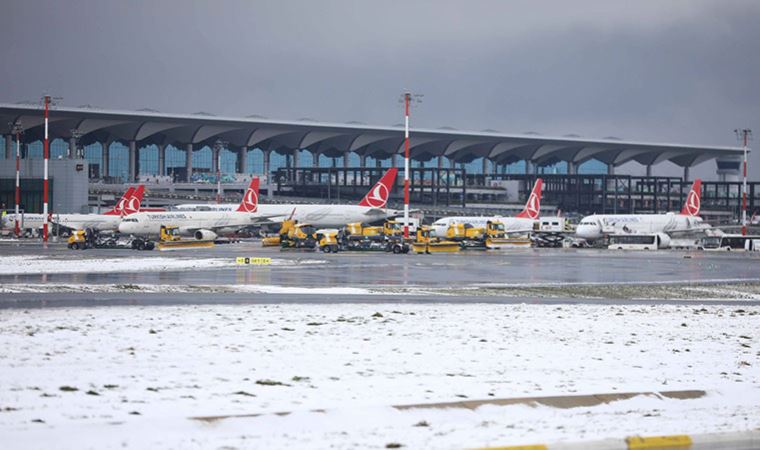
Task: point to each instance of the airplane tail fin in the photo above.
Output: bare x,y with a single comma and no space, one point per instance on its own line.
119,206
377,197
250,202
132,204
693,199
533,206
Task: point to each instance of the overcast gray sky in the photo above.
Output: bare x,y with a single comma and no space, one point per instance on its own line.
673,71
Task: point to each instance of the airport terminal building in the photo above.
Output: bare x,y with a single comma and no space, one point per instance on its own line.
125,146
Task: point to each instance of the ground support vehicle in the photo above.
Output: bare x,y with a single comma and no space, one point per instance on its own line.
654,241
492,236
81,239
361,237
731,242
170,239
426,242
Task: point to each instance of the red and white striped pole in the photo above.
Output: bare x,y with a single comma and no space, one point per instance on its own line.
17,228
46,155
218,175
407,98
745,134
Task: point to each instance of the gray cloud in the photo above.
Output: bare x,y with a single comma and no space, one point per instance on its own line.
680,71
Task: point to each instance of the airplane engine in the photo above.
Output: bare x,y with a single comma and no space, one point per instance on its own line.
663,240
204,235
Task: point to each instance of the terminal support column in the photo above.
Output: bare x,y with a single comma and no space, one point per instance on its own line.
529,167
161,159
73,148
314,160
105,159
8,146
485,167
345,159
686,173
610,169
215,158
132,161
243,160
189,162
270,181
649,170
572,169
363,161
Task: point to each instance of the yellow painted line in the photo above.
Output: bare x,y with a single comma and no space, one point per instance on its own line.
254,261
516,447
677,441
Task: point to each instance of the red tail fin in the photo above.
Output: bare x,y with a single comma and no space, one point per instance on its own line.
693,200
132,204
250,202
377,197
119,207
533,206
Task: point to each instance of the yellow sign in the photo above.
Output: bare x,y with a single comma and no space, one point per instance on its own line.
254,261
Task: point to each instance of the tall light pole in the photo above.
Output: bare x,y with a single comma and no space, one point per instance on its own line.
17,129
744,136
407,104
45,192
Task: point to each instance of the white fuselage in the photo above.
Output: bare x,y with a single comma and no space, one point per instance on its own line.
99,222
512,225
148,224
321,216
597,225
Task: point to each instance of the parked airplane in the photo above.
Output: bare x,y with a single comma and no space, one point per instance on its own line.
107,221
687,221
202,225
370,209
522,223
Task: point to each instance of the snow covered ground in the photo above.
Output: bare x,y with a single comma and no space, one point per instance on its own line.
35,264
133,376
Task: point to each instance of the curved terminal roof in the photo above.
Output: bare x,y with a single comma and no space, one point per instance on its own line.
333,139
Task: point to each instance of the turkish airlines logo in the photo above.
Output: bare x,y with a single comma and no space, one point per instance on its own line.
693,203
130,206
533,207
378,196
250,201
120,206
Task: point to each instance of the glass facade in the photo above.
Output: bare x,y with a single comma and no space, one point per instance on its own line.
175,158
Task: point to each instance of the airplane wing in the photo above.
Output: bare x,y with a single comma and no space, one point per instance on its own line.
258,220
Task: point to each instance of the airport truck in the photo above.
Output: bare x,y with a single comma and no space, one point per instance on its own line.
491,236
361,237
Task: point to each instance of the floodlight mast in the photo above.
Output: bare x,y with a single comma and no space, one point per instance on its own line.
744,135
45,189
17,129
407,98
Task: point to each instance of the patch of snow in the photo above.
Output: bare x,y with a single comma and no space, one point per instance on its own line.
36,264
356,361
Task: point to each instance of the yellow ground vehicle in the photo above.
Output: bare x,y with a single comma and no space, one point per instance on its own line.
170,239
327,240
360,237
78,240
490,236
427,242
294,235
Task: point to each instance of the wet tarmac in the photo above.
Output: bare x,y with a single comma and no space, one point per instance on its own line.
86,299
470,268
533,267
